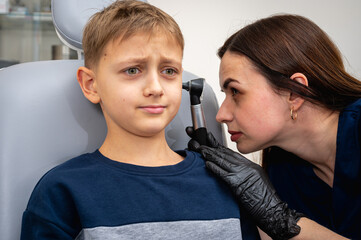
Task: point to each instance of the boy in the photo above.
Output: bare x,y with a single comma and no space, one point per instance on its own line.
134,186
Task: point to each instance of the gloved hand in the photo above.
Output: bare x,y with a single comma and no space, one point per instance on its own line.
252,188
194,145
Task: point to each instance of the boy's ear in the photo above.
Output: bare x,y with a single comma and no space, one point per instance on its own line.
295,100
86,80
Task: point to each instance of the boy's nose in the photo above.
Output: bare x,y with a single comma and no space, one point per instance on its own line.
224,114
153,86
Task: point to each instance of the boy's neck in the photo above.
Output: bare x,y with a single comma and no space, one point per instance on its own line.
144,151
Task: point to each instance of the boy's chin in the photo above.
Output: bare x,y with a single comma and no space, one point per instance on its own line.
151,132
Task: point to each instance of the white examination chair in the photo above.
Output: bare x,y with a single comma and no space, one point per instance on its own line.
45,119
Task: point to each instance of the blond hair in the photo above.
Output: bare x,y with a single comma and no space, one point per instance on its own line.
124,18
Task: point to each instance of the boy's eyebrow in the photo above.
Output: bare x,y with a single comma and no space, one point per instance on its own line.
135,59
143,60
170,60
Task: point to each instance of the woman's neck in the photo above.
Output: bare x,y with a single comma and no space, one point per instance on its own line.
314,140
144,151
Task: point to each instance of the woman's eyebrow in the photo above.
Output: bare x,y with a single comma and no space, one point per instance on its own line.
227,82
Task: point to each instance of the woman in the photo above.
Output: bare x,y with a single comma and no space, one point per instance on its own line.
288,94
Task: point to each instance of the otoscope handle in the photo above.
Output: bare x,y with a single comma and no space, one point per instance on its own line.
198,116
199,124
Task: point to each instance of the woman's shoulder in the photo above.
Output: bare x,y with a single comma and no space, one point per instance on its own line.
353,107
349,119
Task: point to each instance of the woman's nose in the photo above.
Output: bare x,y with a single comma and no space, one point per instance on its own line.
224,114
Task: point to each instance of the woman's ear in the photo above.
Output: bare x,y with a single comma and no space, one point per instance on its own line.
86,80
296,101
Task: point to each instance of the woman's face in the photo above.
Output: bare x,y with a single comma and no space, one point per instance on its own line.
254,113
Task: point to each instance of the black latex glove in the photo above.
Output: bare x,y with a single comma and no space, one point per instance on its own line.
194,145
252,188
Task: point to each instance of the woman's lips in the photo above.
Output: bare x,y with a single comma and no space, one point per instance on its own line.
156,109
235,135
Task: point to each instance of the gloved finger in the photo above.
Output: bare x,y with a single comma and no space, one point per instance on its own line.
212,141
193,145
215,156
236,158
212,153
216,169
190,131
219,172
227,155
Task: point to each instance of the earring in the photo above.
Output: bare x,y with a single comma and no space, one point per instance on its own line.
293,114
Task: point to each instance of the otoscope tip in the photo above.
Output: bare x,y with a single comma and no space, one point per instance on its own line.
185,86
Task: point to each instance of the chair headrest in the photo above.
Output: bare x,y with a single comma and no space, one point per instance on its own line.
71,16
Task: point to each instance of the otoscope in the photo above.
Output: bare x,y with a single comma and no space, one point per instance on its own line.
195,89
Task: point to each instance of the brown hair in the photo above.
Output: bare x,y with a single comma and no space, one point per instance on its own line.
124,18
282,45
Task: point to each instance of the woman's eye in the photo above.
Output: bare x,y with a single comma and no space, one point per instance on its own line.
169,71
132,71
234,91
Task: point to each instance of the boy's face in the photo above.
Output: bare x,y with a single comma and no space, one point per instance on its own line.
139,83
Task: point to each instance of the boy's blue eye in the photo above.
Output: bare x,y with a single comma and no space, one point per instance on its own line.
132,71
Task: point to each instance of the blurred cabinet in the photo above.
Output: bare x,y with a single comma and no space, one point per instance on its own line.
27,34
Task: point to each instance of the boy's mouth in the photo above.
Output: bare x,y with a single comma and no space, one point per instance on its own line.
153,109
